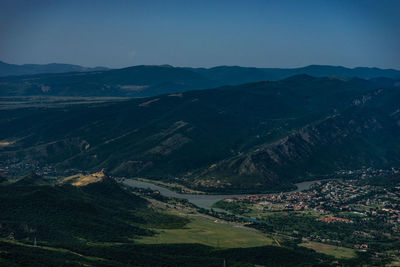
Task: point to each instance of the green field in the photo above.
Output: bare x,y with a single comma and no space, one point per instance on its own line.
215,233
206,231
337,252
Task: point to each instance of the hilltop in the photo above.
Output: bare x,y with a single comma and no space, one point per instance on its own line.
100,210
82,180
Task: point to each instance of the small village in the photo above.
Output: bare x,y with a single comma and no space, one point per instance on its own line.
336,197
16,168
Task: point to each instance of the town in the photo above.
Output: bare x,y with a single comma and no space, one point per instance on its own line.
357,213
336,196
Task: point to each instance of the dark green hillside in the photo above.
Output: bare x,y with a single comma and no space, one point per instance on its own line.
66,214
93,225
3,178
257,137
31,179
15,254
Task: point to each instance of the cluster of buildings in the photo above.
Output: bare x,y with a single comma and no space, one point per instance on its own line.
332,219
337,196
16,168
366,172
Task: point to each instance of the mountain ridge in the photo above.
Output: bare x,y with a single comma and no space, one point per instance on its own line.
151,80
247,137
7,69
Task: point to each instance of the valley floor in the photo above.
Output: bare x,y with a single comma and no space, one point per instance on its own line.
219,233
206,230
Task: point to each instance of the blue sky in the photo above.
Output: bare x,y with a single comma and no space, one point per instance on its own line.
201,33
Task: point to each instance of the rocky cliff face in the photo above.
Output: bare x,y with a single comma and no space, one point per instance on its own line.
366,134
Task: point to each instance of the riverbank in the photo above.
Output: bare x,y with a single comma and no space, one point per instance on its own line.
200,200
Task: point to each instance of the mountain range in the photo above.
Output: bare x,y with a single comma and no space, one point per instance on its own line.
145,81
253,137
32,69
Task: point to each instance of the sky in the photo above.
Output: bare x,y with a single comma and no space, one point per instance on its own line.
204,33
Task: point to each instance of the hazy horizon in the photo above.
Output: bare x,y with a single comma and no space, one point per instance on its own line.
267,34
210,67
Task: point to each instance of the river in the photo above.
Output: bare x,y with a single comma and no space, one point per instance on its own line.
202,201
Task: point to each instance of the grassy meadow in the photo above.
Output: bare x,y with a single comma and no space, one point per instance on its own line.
210,232
337,252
